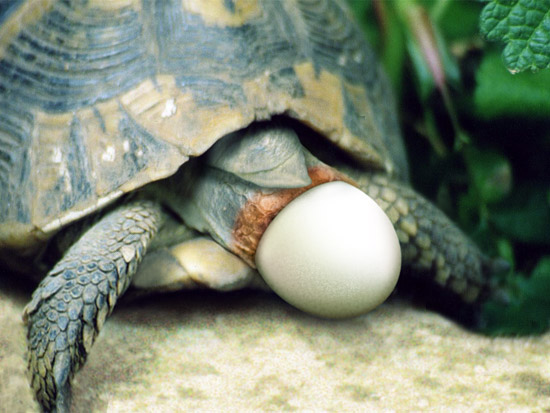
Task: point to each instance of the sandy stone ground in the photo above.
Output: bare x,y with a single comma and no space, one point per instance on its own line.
250,352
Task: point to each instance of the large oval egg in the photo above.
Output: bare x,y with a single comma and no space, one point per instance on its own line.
331,252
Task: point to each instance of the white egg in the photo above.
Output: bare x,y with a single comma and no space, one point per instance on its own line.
331,252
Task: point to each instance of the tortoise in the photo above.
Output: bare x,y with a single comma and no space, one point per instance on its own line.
135,130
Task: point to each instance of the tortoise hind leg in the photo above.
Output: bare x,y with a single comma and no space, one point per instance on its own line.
431,244
70,305
199,262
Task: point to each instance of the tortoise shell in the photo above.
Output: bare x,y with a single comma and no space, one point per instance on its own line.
99,98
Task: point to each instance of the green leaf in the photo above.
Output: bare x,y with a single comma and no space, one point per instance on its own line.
525,216
360,9
426,83
394,53
525,26
542,272
506,251
528,308
490,173
457,19
384,31
498,93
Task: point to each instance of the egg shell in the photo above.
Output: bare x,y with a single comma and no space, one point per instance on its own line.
331,252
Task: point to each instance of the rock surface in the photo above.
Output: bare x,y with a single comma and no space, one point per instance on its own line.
250,351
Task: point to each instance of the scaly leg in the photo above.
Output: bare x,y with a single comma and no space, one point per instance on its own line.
430,243
70,305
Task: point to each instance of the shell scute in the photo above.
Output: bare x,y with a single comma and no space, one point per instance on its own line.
102,98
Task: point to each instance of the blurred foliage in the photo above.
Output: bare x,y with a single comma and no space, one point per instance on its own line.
478,139
528,312
495,95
